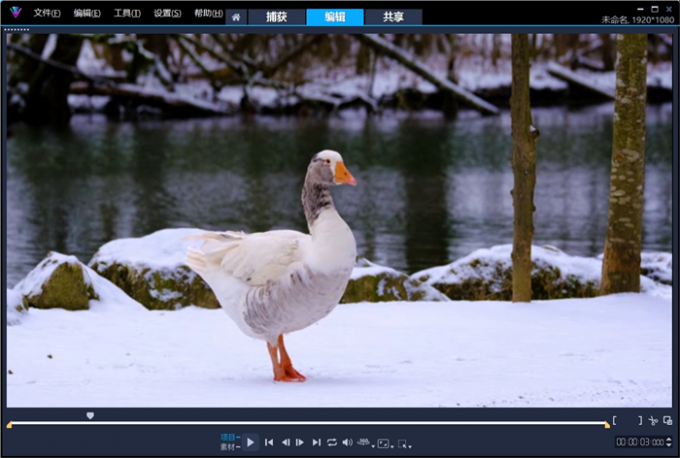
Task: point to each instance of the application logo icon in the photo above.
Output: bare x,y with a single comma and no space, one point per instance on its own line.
15,10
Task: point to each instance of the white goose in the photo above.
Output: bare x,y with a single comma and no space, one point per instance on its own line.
273,283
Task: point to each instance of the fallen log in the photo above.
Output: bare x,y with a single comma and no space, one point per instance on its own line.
580,61
412,63
564,74
59,65
168,102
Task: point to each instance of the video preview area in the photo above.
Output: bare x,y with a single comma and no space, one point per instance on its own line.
333,190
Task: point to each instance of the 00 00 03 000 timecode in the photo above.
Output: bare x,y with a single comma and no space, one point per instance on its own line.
644,441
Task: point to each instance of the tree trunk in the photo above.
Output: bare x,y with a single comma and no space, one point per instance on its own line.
608,59
450,103
47,98
621,266
524,137
27,67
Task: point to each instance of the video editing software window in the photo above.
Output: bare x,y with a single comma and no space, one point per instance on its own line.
339,228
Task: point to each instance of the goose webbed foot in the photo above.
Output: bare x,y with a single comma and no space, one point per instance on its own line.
283,368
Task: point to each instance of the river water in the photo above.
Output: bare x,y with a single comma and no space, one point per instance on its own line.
429,191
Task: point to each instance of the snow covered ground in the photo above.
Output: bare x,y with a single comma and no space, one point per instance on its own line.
609,351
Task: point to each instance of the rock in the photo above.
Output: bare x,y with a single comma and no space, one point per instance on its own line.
374,283
151,270
17,307
658,266
61,281
58,281
486,274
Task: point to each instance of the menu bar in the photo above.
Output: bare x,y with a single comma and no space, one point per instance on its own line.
339,14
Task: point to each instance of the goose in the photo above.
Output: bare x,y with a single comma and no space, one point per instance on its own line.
277,282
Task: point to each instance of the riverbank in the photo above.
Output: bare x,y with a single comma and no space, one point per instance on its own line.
392,88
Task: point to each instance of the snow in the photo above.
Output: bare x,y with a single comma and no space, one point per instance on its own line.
659,75
607,351
585,268
475,68
15,311
162,249
110,296
87,102
364,267
31,285
659,265
50,46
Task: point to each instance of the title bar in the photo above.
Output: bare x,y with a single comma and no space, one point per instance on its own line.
222,13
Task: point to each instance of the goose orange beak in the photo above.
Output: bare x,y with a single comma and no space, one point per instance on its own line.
342,175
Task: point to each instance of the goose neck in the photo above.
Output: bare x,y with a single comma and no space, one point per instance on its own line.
316,198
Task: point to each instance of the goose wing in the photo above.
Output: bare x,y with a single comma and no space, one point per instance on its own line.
254,259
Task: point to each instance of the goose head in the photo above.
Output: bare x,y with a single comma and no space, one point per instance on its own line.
327,168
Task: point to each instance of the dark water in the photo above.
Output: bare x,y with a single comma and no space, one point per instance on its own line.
429,191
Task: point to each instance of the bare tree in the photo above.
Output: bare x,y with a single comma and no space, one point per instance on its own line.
47,98
608,52
621,266
524,137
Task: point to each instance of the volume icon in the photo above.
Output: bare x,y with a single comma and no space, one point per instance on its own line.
347,442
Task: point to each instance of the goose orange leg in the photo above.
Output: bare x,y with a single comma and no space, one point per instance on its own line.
283,371
279,373
287,365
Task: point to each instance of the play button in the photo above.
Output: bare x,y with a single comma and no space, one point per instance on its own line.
250,442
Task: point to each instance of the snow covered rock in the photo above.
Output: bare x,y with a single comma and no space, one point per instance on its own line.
61,281
17,307
655,265
486,274
374,283
58,281
658,266
151,270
